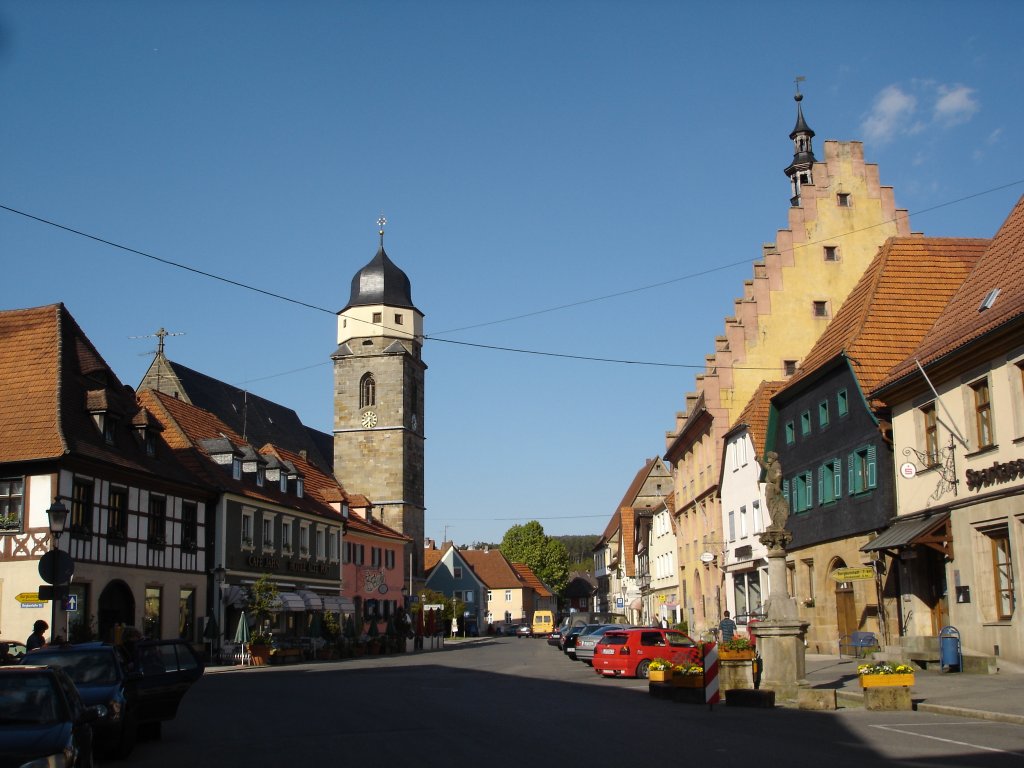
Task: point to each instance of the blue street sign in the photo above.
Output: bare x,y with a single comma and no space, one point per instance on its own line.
71,603
619,602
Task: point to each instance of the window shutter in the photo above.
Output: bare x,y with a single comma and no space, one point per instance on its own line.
821,484
785,492
809,482
837,468
872,473
850,462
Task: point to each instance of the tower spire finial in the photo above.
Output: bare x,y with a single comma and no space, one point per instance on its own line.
381,223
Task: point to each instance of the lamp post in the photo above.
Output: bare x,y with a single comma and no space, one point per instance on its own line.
58,516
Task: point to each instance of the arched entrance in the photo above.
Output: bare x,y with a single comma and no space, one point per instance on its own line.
846,607
116,606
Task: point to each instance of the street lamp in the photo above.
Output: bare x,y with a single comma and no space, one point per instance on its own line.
58,516
219,577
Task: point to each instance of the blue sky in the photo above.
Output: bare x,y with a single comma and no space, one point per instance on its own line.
527,156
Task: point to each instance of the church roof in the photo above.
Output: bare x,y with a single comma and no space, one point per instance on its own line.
381,282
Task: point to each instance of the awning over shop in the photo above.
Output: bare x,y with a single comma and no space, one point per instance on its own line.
312,600
636,604
290,602
932,531
339,604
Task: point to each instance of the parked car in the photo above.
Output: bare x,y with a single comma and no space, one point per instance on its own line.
555,638
573,635
543,623
141,685
585,644
523,630
629,652
11,652
43,720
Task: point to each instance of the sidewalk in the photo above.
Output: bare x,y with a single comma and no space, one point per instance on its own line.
988,697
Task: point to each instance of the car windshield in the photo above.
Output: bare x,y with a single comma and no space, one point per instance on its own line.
86,667
30,699
679,640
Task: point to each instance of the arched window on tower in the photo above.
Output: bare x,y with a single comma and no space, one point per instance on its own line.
367,391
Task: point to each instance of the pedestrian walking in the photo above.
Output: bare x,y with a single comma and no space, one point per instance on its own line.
727,627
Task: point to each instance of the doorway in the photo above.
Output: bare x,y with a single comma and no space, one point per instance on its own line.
116,606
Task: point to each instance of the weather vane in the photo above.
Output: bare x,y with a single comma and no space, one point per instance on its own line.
799,79
381,223
160,335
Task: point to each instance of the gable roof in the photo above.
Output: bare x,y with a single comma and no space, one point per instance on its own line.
896,301
962,321
492,568
190,431
754,416
529,579
52,377
258,420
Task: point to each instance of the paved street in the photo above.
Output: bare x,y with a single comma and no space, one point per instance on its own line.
520,702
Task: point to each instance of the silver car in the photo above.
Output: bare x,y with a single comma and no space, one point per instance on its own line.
585,643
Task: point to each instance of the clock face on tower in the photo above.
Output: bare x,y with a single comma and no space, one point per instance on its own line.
369,419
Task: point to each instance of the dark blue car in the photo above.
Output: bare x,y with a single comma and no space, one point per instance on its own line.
43,719
141,685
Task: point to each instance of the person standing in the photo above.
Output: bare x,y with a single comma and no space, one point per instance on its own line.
727,628
38,637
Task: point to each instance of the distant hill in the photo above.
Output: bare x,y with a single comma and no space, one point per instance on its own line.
581,551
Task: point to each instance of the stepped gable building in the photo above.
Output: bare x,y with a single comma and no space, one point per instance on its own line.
953,554
839,215
835,444
138,526
378,397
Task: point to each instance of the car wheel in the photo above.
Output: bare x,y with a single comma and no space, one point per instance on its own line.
643,669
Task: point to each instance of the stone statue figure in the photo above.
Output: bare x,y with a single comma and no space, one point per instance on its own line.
778,507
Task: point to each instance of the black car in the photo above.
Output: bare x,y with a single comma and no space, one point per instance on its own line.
43,720
140,684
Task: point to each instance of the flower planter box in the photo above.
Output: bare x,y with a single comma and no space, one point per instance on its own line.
688,681
887,681
659,675
726,655
260,654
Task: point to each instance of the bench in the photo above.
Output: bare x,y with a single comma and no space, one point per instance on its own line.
858,644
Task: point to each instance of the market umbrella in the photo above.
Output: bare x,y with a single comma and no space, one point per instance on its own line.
212,631
242,632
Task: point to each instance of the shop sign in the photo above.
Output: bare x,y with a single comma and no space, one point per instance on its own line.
999,472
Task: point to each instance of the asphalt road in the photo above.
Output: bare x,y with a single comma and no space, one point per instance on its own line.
521,702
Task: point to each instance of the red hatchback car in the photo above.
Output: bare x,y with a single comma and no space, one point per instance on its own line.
629,652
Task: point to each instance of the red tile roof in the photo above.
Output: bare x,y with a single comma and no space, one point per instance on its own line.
893,305
754,415
962,321
492,568
530,579
51,377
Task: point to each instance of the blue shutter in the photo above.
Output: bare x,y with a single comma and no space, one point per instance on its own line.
837,468
872,473
809,482
821,484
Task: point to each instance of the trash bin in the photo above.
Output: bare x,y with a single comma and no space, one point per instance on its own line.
950,658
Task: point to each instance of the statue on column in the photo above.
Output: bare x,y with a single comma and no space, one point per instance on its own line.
778,506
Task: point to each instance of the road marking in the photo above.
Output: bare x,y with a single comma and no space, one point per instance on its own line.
946,741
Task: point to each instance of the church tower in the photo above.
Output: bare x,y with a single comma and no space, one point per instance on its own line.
378,397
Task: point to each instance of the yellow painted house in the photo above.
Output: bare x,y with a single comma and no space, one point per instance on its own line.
838,218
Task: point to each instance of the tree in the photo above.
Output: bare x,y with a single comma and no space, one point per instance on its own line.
546,556
261,603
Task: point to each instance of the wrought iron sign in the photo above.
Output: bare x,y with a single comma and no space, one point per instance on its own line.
945,466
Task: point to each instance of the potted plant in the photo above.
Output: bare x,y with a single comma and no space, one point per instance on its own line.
885,674
261,602
737,649
659,671
688,676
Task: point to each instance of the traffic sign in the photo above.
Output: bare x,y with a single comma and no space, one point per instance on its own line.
852,574
27,597
71,603
56,567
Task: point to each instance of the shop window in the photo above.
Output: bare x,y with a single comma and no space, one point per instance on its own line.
187,614
151,618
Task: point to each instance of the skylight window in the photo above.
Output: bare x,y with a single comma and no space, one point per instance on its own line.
989,300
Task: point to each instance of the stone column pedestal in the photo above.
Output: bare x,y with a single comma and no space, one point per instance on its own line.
780,639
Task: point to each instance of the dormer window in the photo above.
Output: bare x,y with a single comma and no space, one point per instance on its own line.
299,489
260,476
284,483
236,468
